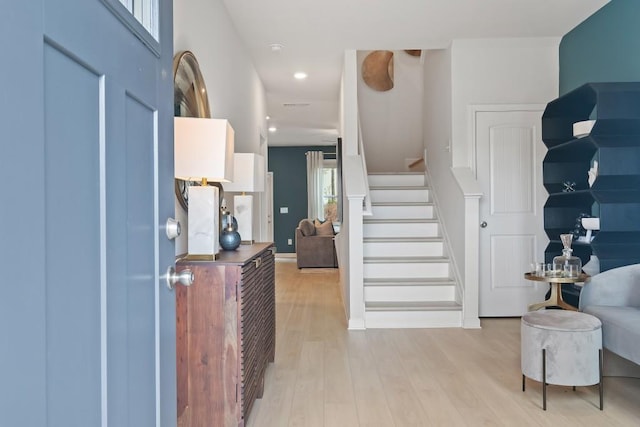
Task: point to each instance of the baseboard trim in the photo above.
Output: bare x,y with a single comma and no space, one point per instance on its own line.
285,255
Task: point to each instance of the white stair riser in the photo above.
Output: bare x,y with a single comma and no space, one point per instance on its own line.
403,212
377,270
426,229
403,180
413,319
403,195
400,249
398,293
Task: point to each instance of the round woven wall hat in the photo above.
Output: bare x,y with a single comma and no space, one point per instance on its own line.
377,70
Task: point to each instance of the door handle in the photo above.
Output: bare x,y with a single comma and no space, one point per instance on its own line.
483,224
185,277
173,228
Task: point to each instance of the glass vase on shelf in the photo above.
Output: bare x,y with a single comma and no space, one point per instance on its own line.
566,264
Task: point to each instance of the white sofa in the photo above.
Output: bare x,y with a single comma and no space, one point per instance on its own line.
614,297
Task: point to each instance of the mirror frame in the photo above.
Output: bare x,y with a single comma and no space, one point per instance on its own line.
189,100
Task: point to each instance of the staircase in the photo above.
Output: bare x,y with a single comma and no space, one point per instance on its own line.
407,274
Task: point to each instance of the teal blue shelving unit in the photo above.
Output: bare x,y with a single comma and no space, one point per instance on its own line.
614,197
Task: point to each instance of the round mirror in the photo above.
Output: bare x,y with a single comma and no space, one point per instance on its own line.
189,91
189,100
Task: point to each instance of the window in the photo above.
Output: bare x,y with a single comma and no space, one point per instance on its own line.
145,12
329,185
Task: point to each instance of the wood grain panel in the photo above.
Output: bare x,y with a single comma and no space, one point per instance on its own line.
182,348
230,332
205,334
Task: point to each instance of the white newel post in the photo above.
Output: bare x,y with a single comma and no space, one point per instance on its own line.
470,312
472,194
355,193
356,263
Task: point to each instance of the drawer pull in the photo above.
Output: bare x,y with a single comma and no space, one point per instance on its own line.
258,262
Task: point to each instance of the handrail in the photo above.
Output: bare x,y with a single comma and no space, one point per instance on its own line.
366,202
416,163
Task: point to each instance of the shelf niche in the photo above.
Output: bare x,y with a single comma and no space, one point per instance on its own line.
614,197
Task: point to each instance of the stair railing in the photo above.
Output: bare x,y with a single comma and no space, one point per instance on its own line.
366,203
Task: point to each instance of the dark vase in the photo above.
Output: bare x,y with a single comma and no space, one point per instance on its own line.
230,239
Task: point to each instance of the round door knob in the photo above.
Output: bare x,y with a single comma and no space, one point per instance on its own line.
185,277
483,224
173,228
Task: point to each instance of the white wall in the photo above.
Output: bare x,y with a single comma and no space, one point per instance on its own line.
235,91
392,120
499,71
505,71
437,143
349,130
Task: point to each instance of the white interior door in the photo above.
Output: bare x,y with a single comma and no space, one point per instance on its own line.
509,166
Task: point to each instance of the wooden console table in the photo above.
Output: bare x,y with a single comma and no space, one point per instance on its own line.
555,299
225,332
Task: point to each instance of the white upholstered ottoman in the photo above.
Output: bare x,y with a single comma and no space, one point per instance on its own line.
561,347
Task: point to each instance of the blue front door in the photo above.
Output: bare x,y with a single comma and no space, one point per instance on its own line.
87,329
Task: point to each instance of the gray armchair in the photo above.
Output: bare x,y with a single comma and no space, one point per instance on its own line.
614,297
314,249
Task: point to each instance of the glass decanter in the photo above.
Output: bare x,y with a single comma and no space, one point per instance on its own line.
566,264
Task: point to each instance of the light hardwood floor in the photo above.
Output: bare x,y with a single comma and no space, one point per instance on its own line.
325,375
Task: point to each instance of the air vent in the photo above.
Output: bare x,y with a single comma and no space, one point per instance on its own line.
295,104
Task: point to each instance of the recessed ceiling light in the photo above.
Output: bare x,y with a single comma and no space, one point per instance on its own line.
268,118
300,75
273,129
276,47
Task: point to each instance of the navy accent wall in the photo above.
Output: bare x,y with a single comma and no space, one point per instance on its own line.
604,48
289,167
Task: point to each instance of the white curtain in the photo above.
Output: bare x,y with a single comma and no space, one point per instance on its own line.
315,161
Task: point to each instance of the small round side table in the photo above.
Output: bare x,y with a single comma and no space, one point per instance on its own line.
555,299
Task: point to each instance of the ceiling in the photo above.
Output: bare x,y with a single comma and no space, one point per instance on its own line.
315,34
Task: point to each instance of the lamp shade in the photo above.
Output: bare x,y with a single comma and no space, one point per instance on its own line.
248,173
203,148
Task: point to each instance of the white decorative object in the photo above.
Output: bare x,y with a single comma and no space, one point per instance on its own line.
203,220
243,211
592,267
593,173
248,176
583,128
590,224
203,148
203,151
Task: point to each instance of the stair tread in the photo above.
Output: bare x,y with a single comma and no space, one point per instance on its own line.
408,281
402,204
398,187
406,259
413,306
401,221
436,239
395,173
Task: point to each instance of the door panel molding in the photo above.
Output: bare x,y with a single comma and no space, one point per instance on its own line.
472,114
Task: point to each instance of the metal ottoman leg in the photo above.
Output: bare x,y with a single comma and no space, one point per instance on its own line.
600,385
544,379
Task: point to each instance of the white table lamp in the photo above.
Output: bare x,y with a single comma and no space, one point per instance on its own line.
248,176
203,151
